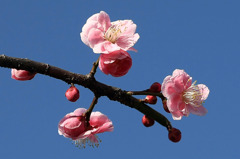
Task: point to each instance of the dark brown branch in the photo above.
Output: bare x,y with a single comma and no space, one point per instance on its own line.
99,89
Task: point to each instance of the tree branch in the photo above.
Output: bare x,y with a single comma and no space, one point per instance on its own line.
99,89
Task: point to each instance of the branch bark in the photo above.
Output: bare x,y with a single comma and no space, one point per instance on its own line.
99,89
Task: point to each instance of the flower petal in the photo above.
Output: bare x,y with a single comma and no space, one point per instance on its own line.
79,111
126,42
168,88
173,103
106,127
197,110
177,115
204,91
98,119
104,20
95,36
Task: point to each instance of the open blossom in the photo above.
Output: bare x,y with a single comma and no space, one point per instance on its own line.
183,96
22,75
116,63
74,126
104,36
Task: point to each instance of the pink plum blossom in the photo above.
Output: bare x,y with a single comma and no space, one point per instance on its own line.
116,63
183,96
104,36
22,75
75,126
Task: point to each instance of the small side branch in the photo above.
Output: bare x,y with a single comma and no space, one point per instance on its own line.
94,68
90,109
146,92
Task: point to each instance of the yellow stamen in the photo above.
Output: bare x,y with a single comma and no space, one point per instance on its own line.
114,32
193,95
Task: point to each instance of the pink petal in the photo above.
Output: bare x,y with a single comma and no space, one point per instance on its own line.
110,47
178,83
132,49
104,20
168,89
105,127
100,48
94,17
173,103
204,91
177,72
85,31
79,111
95,36
98,119
197,110
126,42
177,115
84,39
164,90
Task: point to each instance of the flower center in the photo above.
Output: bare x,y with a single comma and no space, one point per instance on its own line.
193,96
113,33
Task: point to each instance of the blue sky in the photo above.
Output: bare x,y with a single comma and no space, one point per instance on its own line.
201,37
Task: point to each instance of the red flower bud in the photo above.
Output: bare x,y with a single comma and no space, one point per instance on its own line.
151,99
174,135
155,87
147,121
72,94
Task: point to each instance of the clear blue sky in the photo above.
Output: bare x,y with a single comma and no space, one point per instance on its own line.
202,37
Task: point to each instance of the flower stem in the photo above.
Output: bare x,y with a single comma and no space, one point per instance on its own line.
90,109
94,68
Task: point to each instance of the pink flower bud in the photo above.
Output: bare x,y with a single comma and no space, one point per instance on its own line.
22,75
147,121
72,94
116,63
155,87
174,135
151,99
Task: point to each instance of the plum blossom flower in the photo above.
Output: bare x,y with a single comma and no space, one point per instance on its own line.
74,126
117,63
104,36
22,75
183,96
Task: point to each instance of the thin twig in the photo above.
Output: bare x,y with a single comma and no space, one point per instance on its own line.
146,92
94,68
